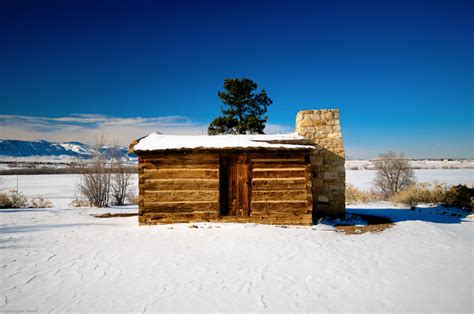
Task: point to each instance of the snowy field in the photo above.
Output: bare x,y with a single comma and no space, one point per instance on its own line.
61,189
65,260
363,178
417,164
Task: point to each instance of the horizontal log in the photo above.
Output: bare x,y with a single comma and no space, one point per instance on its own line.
306,221
277,160
181,195
181,184
178,173
156,218
175,215
303,220
193,205
168,212
148,221
201,165
182,159
179,217
289,216
279,205
190,217
282,195
259,165
279,173
278,213
278,184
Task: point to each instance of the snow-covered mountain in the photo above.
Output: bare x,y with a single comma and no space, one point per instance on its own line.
66,150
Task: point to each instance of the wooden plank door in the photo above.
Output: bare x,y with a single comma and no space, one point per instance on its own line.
243,186
234,182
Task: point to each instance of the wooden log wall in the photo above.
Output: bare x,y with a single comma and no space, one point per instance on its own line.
185,188
281,190
178,188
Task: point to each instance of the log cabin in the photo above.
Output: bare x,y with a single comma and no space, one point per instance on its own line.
270,179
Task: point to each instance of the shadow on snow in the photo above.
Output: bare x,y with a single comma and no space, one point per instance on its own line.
437,214
38,227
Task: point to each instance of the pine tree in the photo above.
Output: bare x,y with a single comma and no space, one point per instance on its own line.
245,110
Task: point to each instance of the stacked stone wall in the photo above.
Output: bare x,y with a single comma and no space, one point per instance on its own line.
323,128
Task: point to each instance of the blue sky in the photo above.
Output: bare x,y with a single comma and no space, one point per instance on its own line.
400,72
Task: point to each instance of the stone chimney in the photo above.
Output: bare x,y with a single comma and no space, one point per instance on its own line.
323,128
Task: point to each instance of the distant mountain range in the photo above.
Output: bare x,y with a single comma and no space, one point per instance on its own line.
17,148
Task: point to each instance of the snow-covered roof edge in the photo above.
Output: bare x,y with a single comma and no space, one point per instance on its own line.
158,142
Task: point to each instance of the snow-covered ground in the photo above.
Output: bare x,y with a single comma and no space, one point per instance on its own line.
363,178
60,189
66,260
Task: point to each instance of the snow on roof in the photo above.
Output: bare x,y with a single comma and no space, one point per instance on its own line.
156,141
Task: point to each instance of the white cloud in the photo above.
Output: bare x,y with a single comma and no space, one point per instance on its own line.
278,129
87,128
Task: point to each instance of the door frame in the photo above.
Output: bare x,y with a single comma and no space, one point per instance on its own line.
234,185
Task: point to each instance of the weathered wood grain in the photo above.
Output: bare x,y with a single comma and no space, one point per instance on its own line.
200,165
282,213
187,187
189,218
186,159
181,195
150,206
271,160
278,205
281,195
277,165
170,213
180,217
181,184
279,172
180,173
278,184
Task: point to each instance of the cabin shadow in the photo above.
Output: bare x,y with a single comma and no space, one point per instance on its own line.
26,210
437,214
38,227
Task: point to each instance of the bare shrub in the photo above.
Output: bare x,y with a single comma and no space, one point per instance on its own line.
121,181
460,196
95,184
414,195
13,199
4,201
394,174
132,198
438,193
355,195
105,178
78,202
40,202
95,181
